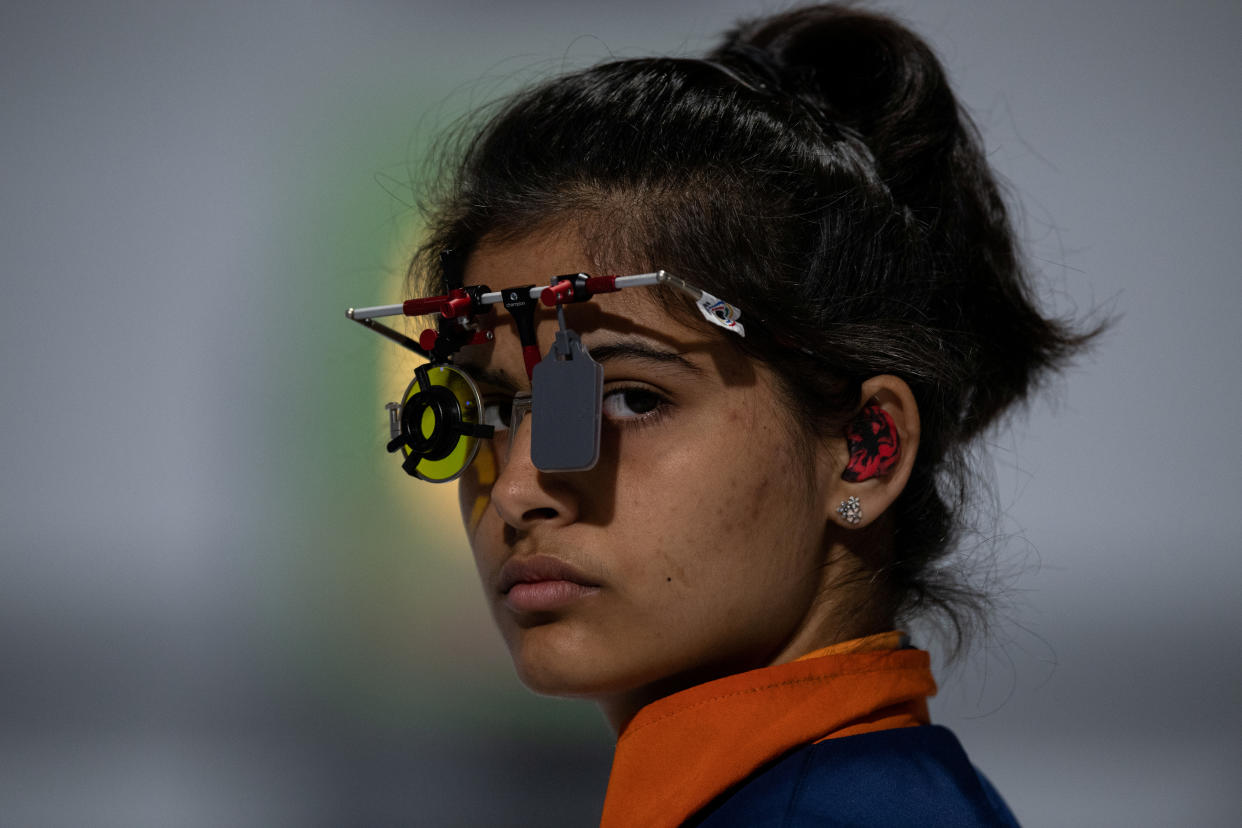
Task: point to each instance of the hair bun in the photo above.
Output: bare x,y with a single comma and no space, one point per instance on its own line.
865,72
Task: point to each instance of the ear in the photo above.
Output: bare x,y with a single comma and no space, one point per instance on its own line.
874,453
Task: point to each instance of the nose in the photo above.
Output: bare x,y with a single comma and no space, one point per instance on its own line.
526,497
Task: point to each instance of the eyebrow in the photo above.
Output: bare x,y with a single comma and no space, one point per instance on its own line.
601,353
609,351
487,376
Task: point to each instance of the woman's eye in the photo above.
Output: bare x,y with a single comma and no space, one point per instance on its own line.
630,403
497,413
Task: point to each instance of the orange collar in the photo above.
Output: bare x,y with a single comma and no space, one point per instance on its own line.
678,753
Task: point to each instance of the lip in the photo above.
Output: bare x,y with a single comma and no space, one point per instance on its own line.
542,583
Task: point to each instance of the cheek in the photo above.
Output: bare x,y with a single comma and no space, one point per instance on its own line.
708,506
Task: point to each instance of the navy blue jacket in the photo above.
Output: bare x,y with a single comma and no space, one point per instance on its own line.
909,776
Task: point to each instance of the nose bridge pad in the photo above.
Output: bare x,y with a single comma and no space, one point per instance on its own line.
521,407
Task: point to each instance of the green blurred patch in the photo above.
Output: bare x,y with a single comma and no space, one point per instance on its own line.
378,616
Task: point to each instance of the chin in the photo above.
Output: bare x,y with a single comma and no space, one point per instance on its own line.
555,662
562,680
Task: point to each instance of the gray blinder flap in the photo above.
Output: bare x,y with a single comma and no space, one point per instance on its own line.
567,397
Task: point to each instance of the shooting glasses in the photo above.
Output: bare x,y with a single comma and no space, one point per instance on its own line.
440,420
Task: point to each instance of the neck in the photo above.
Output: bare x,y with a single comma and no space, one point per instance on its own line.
846,607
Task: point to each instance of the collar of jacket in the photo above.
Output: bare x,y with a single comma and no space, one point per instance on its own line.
678,753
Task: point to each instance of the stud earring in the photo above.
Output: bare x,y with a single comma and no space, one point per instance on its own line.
850,510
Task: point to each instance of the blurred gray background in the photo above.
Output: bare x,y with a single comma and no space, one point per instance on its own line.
221,603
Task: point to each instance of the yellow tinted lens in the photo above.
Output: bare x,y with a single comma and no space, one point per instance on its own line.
471,410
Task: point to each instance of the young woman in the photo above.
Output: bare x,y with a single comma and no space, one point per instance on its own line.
779,474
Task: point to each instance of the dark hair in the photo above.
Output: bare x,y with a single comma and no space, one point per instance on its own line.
814,168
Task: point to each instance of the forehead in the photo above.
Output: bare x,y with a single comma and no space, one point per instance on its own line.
528,259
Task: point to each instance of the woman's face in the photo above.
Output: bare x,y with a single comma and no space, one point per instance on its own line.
696,546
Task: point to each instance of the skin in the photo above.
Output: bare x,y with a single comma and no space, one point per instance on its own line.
706,553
